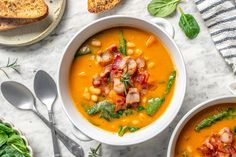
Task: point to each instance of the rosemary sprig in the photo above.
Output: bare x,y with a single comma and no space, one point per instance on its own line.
94,151
125,78
10,65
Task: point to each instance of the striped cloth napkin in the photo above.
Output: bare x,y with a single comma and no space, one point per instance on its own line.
220,18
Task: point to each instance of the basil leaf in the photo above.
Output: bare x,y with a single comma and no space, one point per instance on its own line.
123,45
153,105
162,8
189,25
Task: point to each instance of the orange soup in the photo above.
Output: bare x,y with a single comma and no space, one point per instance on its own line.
211,133
122,79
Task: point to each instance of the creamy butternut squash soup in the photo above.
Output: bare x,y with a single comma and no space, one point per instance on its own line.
211,133
122,79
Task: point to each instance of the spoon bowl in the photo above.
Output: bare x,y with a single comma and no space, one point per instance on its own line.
18,95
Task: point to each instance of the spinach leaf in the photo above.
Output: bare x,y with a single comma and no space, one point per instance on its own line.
153,105
17,141
189,25
140,108
123,44
12,151
170,82
6,129
3,138
228,113
106,110
162,8
123,129
83,51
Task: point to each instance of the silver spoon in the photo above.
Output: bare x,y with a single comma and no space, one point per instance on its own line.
46,91
22,98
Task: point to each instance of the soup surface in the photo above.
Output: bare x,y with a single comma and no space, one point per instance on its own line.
122,79
201,137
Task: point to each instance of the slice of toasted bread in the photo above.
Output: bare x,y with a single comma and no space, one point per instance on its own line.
96,6
6,24
26,9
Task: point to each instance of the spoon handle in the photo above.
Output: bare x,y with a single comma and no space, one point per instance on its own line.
56,148
70,144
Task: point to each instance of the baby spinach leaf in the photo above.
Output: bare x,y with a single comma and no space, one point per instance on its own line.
3,138
189,25
83,51
18,142
162,8
153,105
6,129
140,108
123,44
123,129
228,113
170,82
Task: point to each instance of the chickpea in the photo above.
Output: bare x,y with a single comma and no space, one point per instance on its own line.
86,95
151,65
94,98
82,74
130,52
96,43
130,45
95,91
138,52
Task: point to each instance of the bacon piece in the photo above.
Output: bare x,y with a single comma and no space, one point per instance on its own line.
120,103
226,135
105,58
96,81
133,96
132,66
118,86
140,63
106,71
113,48
142,77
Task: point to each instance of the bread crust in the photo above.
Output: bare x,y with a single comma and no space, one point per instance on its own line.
97,6
23,9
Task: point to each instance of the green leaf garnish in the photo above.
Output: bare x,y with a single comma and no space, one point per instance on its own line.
123,44
123,129
189,25
162,8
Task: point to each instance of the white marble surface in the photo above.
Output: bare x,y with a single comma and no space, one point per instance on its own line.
208,76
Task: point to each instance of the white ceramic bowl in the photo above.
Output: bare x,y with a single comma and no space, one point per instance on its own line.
2,120
153,129
191,114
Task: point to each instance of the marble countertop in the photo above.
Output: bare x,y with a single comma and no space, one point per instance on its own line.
208,76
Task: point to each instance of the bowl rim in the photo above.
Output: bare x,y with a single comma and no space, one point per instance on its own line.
4,121
190,114
184,79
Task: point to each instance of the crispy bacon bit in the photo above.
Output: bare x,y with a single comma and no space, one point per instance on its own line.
140,62
97,81
120,103
118,87
113,48
142,77
106,71
120,63
219,145
132,66
105,58
133,96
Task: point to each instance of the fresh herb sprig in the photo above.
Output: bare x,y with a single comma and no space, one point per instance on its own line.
162,8
189,25
10,65
94,152
228,113
125,78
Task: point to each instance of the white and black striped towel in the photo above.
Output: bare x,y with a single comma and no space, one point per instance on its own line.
220,18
